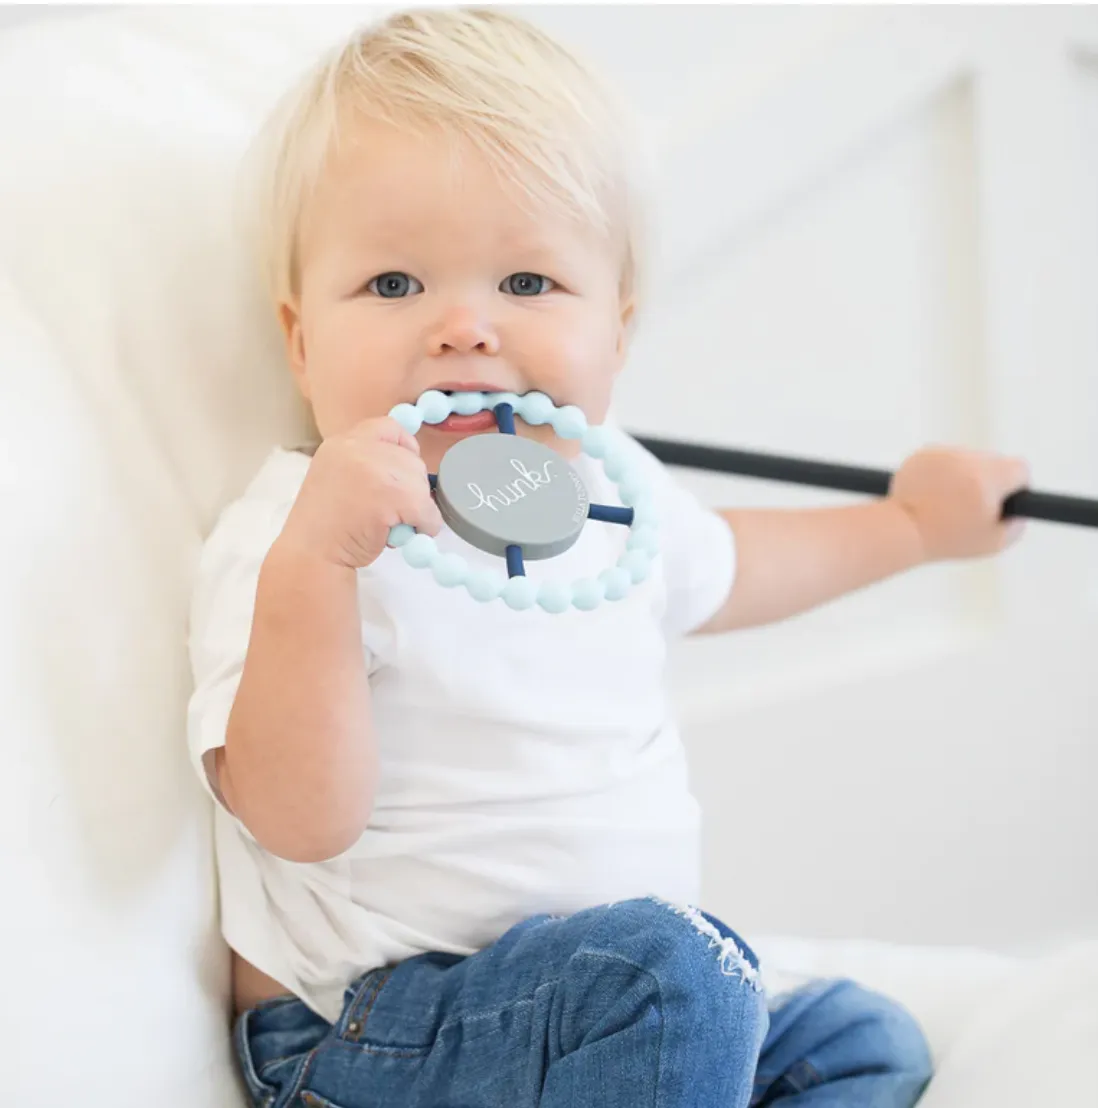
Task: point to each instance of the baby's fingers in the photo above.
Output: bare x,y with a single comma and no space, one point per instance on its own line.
1015,474
386,430
1001,478
424,516
417,505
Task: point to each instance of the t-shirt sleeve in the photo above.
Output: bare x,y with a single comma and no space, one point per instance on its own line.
697,546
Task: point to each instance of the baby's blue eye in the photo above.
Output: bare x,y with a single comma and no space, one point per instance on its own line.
394,285
526,284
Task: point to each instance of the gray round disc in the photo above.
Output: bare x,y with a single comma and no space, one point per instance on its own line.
499,490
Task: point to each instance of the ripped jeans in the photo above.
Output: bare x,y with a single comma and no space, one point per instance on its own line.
632,1004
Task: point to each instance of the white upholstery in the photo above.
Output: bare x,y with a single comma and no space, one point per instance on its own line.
1005,1032
139,386
140,383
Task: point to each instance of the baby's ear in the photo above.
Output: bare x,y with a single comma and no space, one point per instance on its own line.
625,333
289,319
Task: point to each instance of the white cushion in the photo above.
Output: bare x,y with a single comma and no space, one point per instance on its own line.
115,982
1005,1032
140,383
1032,1040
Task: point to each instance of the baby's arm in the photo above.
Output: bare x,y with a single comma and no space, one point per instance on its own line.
299,765
943,504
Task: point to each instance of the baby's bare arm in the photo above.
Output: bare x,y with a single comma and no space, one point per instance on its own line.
299,765
943,504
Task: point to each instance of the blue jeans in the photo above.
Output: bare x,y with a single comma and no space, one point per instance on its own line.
631,1005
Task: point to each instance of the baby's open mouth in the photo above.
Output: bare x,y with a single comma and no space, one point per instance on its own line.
460,410
465,424
472,407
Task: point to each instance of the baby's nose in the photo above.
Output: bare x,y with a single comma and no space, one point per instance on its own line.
465,331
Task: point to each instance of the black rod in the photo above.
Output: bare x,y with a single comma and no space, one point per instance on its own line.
1049,506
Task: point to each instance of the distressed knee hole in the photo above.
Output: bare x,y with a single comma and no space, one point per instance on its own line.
733,959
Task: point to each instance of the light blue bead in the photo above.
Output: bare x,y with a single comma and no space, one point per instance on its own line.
644,511
434,406
569,422
520,593
616,582
467,403
587,594
535,408
494,399
409,417
484,585
450,570
401,534
644,537
597,442
636,563
554,596
631,490
420,552
615,465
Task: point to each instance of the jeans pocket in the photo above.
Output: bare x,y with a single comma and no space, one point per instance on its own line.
273,1043
262,1093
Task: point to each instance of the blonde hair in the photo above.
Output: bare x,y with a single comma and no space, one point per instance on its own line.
534,109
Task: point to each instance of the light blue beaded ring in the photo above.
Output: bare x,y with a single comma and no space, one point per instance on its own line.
518,499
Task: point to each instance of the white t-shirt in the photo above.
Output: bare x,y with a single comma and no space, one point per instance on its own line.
529,762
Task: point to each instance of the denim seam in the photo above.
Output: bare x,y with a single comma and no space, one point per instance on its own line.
268,1065
295,1090
419,1052
378,1048
620,958
299,1081
257,1087
352,1023
487,1013
408,1051
659,990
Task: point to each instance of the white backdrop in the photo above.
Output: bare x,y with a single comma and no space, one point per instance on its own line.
879,227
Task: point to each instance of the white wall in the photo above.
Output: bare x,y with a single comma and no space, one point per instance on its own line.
11,14
879,229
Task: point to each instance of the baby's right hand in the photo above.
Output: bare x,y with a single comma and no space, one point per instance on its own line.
359,485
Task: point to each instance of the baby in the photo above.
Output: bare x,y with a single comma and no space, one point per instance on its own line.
457,848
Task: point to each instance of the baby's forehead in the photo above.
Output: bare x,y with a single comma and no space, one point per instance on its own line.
409,165
391,185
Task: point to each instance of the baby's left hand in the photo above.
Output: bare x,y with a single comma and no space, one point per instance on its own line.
955,499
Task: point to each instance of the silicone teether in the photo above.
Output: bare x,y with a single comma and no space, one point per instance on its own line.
520,500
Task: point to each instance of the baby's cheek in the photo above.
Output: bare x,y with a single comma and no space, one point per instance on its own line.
348,390
584,367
